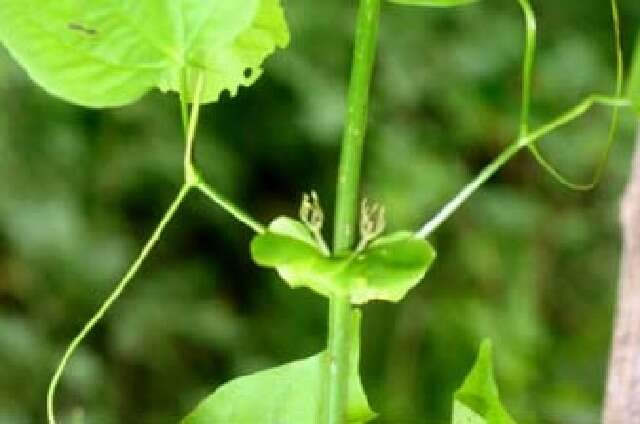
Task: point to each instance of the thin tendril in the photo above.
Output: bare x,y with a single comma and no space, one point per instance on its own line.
155,237
184,105
528,139
190,176
228,206
527,65
533,148
194,178
576,112
510,151
115,294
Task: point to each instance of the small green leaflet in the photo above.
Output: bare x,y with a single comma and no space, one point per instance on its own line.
386,270
434,3
289,393
478,400
104,53
634,80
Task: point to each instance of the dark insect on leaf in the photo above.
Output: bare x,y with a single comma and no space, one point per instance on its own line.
79,27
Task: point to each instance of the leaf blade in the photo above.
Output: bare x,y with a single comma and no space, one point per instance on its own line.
477,401
110,53
389,268
290,393
386,270
47,47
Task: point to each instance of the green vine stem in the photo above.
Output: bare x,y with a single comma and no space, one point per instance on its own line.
527,64
337,369
133,269
192,180
227,206
184,104
194,177
131,272
511,151
190,174
529,56
528,139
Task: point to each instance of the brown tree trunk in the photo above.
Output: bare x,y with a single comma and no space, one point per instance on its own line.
622,403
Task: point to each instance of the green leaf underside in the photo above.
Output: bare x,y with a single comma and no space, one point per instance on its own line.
386,270
104,53
287,394
478,400
634,80
434,3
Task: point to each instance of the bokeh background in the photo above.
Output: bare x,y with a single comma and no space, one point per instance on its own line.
525,262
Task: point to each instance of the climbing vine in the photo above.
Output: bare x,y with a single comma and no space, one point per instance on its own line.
109,54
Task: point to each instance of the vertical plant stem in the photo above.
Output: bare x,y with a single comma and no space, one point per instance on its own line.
355,127
337,371
527,64
337,365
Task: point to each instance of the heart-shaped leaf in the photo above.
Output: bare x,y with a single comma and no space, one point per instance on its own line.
103,53
478,400
386,270
434,3
290,393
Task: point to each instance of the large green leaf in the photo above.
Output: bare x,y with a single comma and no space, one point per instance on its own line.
386,270
634,80
478,400
288,394
434,3
103,53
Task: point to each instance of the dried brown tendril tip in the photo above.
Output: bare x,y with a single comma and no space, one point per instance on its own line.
311,212
372,222
312,216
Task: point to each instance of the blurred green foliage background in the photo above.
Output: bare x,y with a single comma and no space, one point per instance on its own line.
525,262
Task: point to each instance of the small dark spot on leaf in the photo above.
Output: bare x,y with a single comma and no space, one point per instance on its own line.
248,72
73,26
225,94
